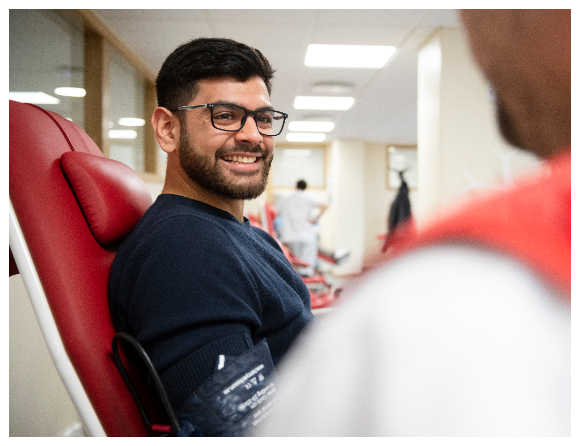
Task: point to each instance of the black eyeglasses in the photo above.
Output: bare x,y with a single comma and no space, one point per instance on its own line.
231,118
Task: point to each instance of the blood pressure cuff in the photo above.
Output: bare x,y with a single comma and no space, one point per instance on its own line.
235,399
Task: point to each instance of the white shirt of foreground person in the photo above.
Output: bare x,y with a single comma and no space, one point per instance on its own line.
449,340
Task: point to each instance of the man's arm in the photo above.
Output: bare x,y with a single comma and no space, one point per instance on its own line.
322,207
190,302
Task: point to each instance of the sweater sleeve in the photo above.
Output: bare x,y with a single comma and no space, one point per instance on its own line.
192,299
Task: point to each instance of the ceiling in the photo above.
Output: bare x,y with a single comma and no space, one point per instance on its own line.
385,107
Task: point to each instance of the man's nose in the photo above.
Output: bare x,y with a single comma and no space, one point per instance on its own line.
249,132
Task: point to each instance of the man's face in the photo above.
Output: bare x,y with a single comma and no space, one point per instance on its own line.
493,45
232,165
523,53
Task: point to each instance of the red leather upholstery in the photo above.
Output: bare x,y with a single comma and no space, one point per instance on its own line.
72,265
110,194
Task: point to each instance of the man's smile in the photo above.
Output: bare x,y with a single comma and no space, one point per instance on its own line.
240,159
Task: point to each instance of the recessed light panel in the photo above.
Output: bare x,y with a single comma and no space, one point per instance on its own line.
323,102
33,97
122,134
310,126
305,137
71,91
132,122
348,56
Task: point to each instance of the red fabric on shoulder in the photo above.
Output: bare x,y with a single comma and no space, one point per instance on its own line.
112,196
530,222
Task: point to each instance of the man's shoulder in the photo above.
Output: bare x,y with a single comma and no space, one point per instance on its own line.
300,197
265,237
172,210
173,225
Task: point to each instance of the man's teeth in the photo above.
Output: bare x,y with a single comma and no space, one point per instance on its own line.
240,159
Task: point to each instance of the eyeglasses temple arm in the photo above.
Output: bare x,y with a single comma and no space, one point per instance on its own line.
190,107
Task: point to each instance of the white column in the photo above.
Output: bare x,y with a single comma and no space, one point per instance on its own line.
347,202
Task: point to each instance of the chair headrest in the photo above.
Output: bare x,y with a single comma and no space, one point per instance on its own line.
111,195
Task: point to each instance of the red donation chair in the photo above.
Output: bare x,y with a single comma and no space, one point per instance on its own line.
70,207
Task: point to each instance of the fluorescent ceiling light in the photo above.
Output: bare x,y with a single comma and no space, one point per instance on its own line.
305,137
323,102
132,122
122,134
311,126
348,56
33,97
71,91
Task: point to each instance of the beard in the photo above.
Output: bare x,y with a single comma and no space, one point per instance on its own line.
206,172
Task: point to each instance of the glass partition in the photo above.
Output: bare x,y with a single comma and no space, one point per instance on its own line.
126,127
46,64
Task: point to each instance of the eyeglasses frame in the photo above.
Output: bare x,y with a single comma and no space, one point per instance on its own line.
244,119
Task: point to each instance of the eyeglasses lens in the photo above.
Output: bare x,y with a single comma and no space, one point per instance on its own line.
229,118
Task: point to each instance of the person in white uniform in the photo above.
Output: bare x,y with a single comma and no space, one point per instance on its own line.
454,338
298,225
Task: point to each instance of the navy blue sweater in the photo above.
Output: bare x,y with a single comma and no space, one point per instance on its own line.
192,282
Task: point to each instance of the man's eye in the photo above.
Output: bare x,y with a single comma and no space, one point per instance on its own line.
265,119
224,116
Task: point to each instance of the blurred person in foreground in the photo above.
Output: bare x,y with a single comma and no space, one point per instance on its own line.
467,331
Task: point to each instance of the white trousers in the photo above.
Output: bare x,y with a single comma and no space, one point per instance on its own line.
307,252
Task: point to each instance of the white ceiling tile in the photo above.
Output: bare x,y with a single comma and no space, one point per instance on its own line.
358,35
373,17
385,99
266,35
263,16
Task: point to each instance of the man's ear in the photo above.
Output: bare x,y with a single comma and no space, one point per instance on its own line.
166,128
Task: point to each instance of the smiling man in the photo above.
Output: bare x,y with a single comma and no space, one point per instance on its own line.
195,283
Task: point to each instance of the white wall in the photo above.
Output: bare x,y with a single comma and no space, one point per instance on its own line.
39,403
154,188
347,200
377,199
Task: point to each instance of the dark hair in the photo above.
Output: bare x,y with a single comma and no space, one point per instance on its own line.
203,58
301,184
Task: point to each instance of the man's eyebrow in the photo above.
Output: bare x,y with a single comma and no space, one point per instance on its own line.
265,108
224,103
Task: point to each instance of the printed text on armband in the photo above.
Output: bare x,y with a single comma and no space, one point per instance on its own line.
258,398
243,379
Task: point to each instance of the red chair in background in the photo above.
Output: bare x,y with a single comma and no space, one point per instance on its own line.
70,207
